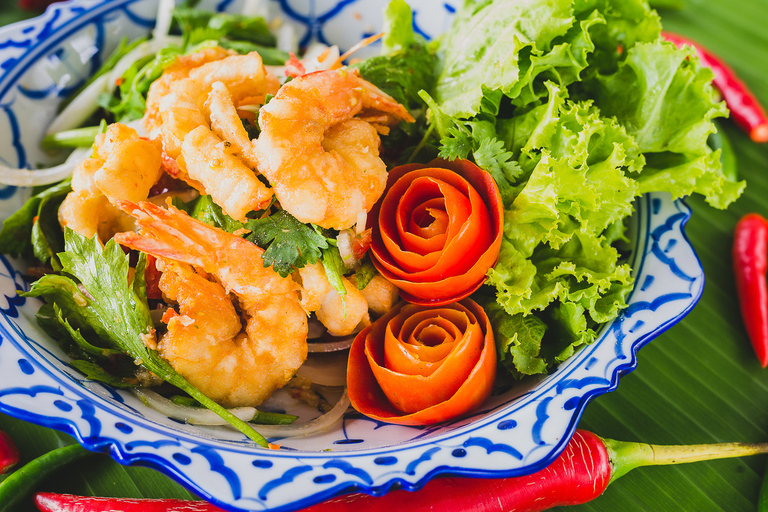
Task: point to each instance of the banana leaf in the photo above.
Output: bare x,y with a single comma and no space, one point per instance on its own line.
697,383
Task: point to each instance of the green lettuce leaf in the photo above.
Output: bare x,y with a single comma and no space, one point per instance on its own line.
665,99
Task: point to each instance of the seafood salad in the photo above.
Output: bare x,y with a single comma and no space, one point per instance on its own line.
441,213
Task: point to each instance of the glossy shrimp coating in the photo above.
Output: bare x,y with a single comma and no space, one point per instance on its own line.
208,345
339,315
178,70
321,160
123,166
202,130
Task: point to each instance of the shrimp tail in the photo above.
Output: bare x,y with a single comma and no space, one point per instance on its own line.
169,233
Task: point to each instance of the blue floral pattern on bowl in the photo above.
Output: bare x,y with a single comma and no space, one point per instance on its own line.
521,429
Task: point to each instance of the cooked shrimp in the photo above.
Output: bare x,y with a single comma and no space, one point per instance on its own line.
340,315
207,344
201,129
176,71
380,294
123,166
322,162
230,183
181,110
90,214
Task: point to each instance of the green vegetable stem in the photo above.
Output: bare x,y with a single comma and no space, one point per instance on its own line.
20,483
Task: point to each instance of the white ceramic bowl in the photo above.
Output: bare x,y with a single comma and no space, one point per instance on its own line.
519,430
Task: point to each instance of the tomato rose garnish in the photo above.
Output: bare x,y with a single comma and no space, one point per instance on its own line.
419,365
437,230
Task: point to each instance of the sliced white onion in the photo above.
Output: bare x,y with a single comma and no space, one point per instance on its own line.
325,368
319,424
28,178
189,414
84,104
344,243
362,222
33,178
286,38
164,19
201,416
81,107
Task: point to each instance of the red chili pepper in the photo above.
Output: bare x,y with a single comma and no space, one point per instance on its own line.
35,5
745,109
750,261
52,502
9,454
579,474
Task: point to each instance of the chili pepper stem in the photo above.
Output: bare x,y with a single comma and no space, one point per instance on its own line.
626,456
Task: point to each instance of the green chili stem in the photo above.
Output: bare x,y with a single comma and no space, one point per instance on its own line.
626,456
20,483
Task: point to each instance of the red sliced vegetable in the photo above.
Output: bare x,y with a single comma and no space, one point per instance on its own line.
9,454
744,106
750,261
52,502
437,230
419,365
578,475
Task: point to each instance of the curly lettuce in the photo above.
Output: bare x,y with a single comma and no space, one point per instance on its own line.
576,107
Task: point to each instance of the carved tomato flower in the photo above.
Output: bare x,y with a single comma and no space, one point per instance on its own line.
437,230
419,365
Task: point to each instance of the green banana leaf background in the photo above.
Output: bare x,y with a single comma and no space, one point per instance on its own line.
699,382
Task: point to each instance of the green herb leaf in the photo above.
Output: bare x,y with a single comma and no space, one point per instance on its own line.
115,307
287,242
16,234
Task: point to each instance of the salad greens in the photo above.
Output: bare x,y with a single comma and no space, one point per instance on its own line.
99,291
576,108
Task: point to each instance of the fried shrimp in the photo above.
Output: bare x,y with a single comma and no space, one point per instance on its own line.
206,342
178,70
340,315
321,160
123,166
200,107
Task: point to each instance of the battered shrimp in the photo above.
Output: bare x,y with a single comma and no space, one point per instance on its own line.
123,166
176,71
323,162
181,110
206,343
200,108
339,315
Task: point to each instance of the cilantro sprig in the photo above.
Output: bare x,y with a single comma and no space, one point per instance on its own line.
113,303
